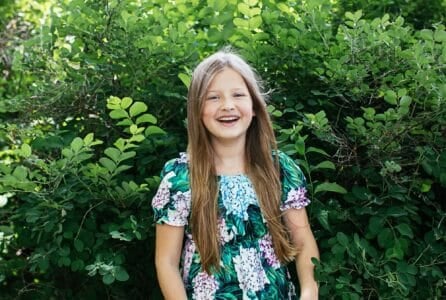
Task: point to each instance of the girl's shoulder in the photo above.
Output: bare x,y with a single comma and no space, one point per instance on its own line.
176,165
283,158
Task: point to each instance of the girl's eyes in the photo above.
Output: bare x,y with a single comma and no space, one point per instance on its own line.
236,95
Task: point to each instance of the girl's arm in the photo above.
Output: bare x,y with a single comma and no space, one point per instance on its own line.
169,242
297,223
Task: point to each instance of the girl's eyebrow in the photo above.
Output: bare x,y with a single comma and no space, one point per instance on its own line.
232,90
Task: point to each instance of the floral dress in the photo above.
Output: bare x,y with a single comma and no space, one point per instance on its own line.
250,268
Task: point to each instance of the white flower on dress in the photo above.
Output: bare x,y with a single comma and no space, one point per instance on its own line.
291,290
163,194
182,159
237,193
204,286
181,202
296,199
250,273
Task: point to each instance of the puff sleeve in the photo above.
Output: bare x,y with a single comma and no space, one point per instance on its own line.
294,191
171,203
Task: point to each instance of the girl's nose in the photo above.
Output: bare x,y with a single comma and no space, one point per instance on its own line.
227,104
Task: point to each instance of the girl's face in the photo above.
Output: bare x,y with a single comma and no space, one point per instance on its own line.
228,108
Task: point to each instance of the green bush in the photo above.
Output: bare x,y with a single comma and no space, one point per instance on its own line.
358,102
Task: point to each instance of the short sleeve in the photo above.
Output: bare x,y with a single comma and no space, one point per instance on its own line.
294,191
171,203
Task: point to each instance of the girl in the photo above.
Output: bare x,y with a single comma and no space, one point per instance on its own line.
230,212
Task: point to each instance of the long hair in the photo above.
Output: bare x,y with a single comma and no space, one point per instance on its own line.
261,166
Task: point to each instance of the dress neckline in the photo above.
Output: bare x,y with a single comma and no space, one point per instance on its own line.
231,175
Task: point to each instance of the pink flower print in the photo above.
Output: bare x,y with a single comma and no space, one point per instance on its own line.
182,202
267,249
296,199
225,234
188,254
204,286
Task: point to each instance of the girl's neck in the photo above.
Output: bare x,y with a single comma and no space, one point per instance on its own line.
229,158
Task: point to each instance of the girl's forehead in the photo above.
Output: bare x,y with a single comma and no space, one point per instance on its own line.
226,75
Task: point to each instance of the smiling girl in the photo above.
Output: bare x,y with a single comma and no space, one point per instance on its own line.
230,212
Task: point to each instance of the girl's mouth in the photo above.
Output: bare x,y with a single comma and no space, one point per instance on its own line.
228,119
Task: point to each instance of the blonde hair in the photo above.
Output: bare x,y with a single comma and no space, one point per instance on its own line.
261,167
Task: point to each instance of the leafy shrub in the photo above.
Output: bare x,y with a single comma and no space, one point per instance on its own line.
358,102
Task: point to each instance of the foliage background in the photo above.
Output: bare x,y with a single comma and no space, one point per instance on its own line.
92,102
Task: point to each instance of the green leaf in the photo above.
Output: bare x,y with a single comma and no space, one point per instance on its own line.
127,155
349,16
390,97
77,265
137,138
137,108
133,129
20,172
241,23
186,78
342,239
64,261
404,267
88,139
113,102
330,187
358,15
255,22
426,185
427,34
78,245
325,165
251,2
77,144
440,36
300,146
126,102
317,150
122,168
108,279
125,122
118,114
120,236
121,274
113,153
395,252
405,230
277,113
283,7
395,211
43,264
322,217
25,150
244,9
68,153
405,101
152,130
108,164
385,238
64,251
